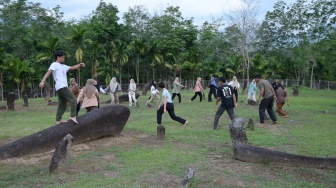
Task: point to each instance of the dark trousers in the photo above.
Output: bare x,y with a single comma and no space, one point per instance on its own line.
219,112
199,94
267,104
179,96
64,95
91,108
78,108
235,91
213,90
170,110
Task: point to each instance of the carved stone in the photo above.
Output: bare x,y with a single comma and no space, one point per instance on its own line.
251,102
250,124
145,88
188,177
255,154
161,132
295,91
3,108
10,101
105,121
25,100
238,132
62,153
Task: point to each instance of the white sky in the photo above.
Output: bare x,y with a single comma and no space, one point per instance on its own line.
200,10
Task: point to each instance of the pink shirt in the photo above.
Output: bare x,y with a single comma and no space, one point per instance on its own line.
198,87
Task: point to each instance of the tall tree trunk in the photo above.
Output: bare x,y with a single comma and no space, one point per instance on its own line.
1,84
137,70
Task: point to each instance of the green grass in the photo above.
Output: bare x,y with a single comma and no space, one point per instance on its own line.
141,161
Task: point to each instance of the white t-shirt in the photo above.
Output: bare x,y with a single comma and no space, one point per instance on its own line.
60,74
154,91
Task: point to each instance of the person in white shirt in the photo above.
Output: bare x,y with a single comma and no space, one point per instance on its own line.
131,92
64,94
167,105
154,93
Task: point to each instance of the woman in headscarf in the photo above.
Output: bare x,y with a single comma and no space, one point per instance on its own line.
114,88
251,91
90,95
198,89
177,88
235,84
131,92
75,90
154,93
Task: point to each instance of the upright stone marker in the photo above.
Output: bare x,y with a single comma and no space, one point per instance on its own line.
25,100
10,101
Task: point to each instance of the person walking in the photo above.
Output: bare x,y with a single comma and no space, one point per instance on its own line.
90,96
213,89
176,89
75,90
282,97
251,91
59,70
266,92
235,84
227,97
99,89
154,93
198,89
113,88
167,105
131,92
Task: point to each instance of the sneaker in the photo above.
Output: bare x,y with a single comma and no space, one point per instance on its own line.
285,116
275,122
130,105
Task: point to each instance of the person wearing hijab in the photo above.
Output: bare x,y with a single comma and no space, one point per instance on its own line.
235,84
176,89
75,90
90,96
198,89
113,89
131,92
252,90
154,93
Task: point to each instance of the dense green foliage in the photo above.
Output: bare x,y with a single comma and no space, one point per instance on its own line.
295,41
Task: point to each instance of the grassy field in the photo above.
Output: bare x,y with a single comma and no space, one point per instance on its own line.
136,159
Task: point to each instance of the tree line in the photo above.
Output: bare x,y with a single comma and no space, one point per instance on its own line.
296,41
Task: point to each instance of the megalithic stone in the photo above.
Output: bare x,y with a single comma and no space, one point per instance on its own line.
105,121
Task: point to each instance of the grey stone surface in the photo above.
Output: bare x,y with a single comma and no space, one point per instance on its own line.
248,153
146,88
105,121
10,100
250,124
62,153
160,132
238,131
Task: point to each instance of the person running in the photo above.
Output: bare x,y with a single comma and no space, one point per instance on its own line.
90,96
198,89
59,70
282,97
167,105
113,89
154,93
131,92
176,89
213,89
75,90
266,92
235,84
227,97
252,91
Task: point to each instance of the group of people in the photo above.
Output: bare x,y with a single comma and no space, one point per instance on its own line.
226,93
72,95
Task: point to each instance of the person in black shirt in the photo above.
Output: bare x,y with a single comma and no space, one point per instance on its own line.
227,97
276,84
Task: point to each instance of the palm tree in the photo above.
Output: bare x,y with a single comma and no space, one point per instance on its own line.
78,40
49,47
137,47
20,70
119,54
3,68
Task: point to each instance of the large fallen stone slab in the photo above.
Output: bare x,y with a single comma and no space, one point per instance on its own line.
248,153
105,121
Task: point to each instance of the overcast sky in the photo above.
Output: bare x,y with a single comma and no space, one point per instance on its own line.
200,10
